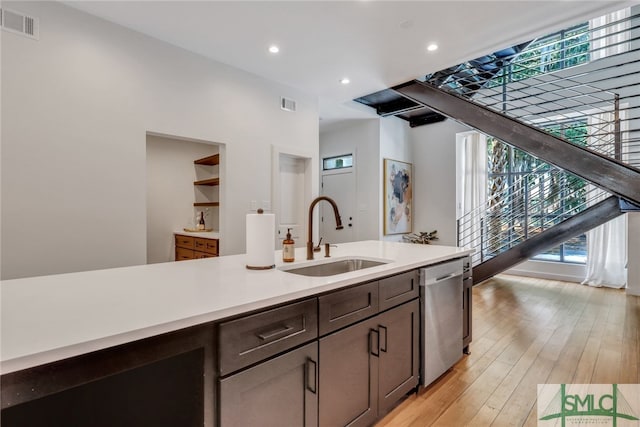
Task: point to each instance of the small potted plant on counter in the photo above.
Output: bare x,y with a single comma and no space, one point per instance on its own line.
422,237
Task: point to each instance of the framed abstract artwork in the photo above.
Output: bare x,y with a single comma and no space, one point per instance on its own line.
398,197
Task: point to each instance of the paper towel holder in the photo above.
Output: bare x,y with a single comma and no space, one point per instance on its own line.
265,267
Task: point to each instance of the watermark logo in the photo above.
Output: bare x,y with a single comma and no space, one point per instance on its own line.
615,405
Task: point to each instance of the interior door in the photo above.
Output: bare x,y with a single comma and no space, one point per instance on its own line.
341,187
292,195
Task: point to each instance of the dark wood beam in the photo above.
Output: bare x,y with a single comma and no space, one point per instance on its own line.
607,173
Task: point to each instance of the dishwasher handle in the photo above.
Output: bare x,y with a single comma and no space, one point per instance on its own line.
441,272
431,281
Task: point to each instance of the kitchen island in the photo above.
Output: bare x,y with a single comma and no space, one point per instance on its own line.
62,331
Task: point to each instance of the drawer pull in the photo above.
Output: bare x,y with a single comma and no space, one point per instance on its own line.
374,349
383,328
275,332
309,372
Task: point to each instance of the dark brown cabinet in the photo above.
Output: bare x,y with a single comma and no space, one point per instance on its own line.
399,353
368,366
278,392
397,289
254,338
349,376
340,358
342,308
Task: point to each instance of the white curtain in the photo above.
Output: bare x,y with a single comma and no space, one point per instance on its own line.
606,244
471,156
606,39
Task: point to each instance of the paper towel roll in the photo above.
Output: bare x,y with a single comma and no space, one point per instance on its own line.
260,241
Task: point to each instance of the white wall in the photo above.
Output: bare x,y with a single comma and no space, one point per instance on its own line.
434,154
395,145
171,193
362,136
77,106
633,254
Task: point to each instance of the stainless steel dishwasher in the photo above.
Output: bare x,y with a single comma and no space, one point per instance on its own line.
441,304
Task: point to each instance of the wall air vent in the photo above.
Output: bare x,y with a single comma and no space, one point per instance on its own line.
20,23
287,104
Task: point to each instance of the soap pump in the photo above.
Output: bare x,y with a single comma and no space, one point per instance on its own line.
288,248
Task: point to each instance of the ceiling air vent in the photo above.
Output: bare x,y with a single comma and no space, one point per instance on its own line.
20,23
287,104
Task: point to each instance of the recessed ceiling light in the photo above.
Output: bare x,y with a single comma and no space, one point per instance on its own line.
345,81
432,47
274,49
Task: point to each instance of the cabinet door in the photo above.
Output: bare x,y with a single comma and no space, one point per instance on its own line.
349,376
399,363
279,392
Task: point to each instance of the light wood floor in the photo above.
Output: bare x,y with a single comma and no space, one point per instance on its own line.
528,332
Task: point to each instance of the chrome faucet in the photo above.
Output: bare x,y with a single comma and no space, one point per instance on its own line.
310,225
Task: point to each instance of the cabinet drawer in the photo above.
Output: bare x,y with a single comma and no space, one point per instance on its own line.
197,255
206,245
343,308
395,290
184,242
183,254
251,339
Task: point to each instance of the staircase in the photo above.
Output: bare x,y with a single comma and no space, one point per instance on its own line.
589,75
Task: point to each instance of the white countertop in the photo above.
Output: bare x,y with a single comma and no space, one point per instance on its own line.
204,234
48,318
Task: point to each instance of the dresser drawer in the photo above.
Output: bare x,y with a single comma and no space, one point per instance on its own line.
186,242
206,245
184,254
342,308
395,290
197,255
250,339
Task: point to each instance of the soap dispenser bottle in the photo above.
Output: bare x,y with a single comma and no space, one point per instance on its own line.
288,248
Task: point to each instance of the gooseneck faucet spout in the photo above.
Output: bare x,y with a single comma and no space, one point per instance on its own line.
310,224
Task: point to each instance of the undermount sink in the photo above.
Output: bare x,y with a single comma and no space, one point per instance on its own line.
334,267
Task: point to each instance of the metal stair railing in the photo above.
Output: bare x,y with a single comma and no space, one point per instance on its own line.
558,80
533,203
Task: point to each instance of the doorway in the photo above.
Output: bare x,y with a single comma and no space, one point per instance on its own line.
291,193
338,183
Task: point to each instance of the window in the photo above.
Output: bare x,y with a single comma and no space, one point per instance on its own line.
337,162
601,37
530,196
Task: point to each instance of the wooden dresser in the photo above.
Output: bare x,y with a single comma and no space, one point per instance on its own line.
196,245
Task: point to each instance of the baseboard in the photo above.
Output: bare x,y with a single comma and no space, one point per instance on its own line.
545,275
633,292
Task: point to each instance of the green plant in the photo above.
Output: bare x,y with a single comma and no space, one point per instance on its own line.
422,237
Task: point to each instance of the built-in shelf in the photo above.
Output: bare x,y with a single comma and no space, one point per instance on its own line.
208,161
210,182
207,197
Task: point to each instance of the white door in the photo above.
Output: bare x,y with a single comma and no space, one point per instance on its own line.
291,207
341,187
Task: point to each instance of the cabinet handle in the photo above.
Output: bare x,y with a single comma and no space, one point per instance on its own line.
314,370
384,328
377,346
274,332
